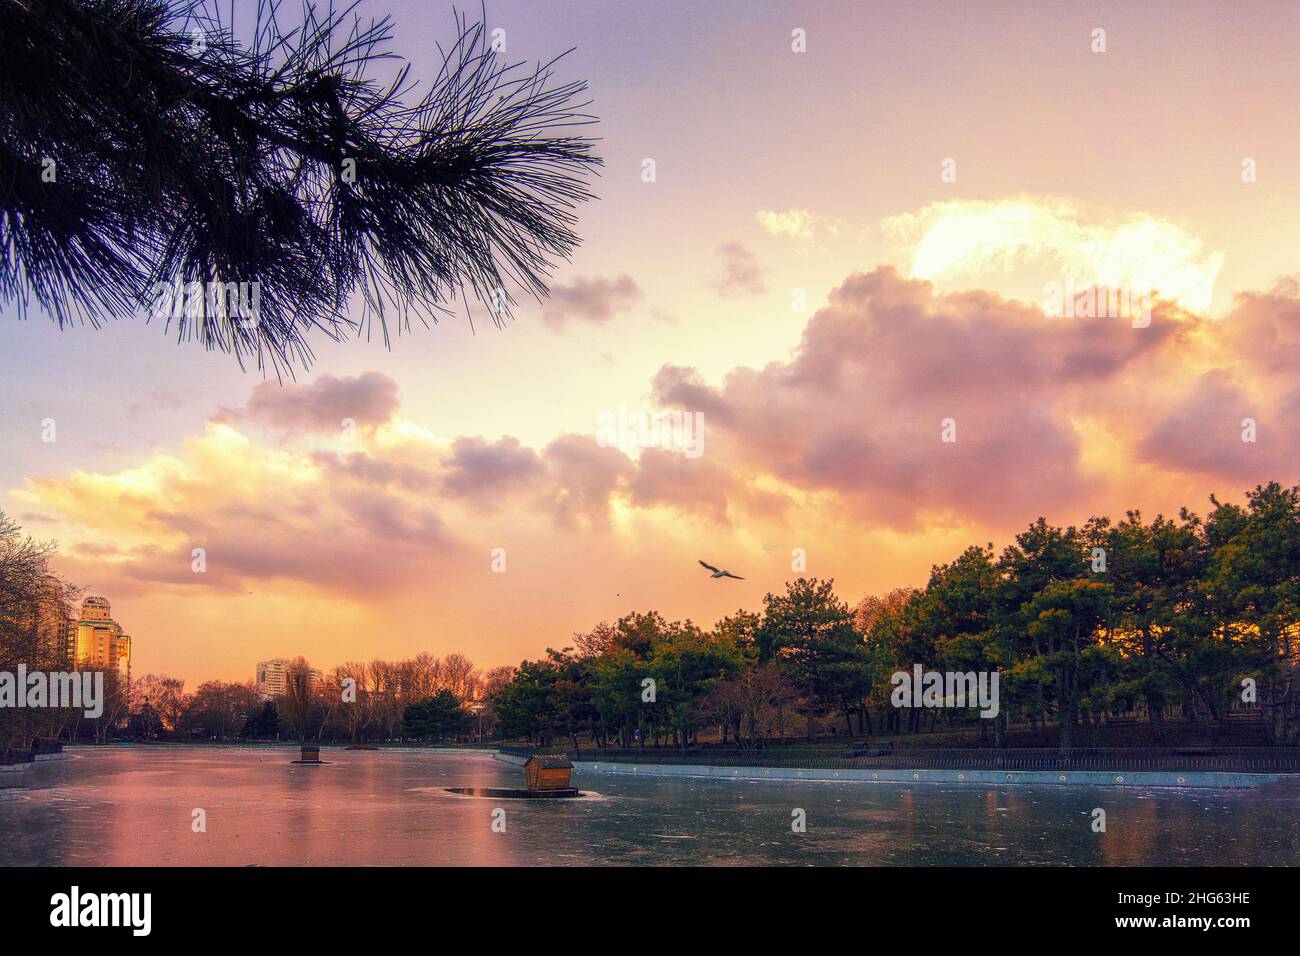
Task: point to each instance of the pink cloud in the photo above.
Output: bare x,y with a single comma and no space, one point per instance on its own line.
368,399
595,301
858,410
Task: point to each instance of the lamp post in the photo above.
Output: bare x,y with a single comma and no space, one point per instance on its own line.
477,708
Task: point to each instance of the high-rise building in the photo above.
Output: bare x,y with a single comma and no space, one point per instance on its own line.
57,626
272,675
97,642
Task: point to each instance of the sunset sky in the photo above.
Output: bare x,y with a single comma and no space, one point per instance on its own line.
800,272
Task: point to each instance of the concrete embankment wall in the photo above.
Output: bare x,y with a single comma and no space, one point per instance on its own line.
11,775
514,759
1093,778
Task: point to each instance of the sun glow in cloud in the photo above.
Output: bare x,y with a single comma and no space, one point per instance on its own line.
977,239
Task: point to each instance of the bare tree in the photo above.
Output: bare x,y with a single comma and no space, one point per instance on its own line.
165,697
220,708
35,605
353,715
753,703
460,677
117,699
421,677
298,705
386,696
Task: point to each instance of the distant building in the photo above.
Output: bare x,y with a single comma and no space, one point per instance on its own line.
57,627
95,641
272,675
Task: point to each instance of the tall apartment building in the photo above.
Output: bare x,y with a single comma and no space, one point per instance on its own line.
58,629
272,675
94,641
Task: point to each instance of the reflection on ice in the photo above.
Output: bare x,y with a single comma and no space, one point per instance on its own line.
133,807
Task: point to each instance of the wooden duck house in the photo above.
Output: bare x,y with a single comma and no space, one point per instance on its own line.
548,772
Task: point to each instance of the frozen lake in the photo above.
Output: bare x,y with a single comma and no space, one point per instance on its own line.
135,806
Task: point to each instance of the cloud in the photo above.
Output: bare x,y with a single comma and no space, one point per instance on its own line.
258,514
481,471
583,479
796,223
857,412
368,400
572,481
368,469
691,485
1265,328
741,273
589,300
978,239
681,387
1249,370
1203,433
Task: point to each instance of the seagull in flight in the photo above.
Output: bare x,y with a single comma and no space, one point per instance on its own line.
719,573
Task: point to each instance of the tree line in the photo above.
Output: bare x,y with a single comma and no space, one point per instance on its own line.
423,698
1193,618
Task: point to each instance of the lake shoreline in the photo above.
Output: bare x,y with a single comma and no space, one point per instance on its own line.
1061,778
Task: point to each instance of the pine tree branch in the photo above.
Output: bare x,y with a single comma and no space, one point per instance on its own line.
143,147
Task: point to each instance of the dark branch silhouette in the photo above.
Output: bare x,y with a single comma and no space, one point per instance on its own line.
155,156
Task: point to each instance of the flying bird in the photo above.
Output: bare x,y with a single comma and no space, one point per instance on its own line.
719,573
